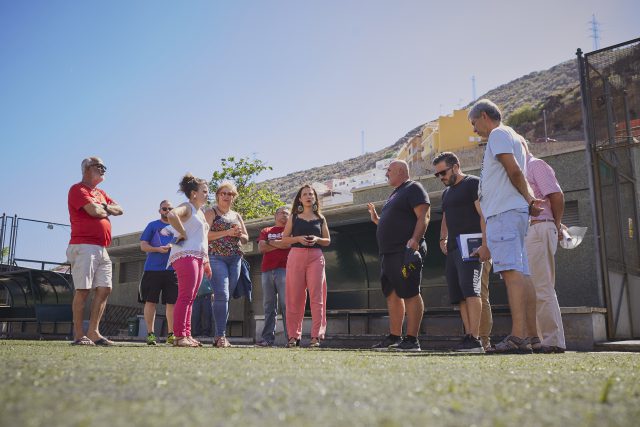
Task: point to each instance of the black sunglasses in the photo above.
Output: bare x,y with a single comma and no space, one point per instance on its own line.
442,173
166,209
100,166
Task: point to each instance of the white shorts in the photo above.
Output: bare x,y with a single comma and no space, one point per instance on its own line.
90,266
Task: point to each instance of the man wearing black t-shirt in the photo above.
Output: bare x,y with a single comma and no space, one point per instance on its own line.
400,234
461,214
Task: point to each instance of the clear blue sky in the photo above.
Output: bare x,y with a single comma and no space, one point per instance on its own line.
159,88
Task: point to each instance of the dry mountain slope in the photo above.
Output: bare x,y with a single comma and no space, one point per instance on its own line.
288,185
533,89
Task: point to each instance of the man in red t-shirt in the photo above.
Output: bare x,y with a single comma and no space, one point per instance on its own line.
274,264
89,211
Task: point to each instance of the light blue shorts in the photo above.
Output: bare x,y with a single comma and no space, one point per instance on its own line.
505,238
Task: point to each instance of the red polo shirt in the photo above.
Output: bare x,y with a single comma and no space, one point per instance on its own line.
84,227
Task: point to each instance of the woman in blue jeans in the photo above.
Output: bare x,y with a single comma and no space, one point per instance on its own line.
227,232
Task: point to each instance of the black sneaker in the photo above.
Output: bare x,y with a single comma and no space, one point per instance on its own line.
470,344
388,341
461,344
408,345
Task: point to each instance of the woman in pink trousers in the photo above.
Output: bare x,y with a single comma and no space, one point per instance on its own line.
188,255
307,232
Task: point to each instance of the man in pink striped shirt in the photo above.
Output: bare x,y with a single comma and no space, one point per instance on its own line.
541,243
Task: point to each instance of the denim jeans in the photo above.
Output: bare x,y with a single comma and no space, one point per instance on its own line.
273,284
226,271
201,316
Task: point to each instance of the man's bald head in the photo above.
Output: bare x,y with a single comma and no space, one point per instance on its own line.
397,172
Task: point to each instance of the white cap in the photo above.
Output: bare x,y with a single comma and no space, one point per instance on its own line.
572,237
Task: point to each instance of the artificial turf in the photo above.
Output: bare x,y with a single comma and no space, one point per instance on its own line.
55,384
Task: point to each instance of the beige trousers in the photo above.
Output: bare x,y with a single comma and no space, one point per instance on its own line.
541,243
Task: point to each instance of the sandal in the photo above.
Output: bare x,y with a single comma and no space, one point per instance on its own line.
104,342
536,345
293,342
184,342
512,345
83,341
195,341
221,342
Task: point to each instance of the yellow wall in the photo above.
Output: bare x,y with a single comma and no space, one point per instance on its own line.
430,140
412,150
456,132
449,133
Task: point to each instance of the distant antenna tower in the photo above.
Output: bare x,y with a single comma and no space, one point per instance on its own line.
362,140
473,88
595,32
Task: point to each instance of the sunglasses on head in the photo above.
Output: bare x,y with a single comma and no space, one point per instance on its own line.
442,172
166,209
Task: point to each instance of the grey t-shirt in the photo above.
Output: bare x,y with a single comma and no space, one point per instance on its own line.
398,219
496,193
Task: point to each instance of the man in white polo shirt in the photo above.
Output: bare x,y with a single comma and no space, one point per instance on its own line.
506,201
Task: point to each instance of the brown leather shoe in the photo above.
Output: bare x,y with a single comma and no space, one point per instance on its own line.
549,349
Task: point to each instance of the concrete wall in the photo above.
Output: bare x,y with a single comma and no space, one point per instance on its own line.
576,281
577,284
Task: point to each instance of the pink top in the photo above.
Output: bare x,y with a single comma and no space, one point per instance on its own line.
543,182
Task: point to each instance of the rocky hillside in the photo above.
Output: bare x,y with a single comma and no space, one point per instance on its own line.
535,87
288,185
552,88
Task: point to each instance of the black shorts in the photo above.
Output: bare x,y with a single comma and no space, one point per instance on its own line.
391,276
463,277
155,282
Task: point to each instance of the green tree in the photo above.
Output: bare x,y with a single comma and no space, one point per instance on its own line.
5,252
523,115
254,200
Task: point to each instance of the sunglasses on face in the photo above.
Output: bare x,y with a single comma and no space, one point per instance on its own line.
224,193
442,172
166,209
99,166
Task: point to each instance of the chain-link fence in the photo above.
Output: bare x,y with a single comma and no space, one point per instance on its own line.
610,85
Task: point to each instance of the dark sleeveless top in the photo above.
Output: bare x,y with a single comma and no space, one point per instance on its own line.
302,227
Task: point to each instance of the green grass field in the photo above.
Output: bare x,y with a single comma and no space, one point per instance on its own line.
55,384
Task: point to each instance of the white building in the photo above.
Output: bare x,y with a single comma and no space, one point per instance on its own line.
338,190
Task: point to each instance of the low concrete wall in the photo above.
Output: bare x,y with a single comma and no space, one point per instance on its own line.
583,326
